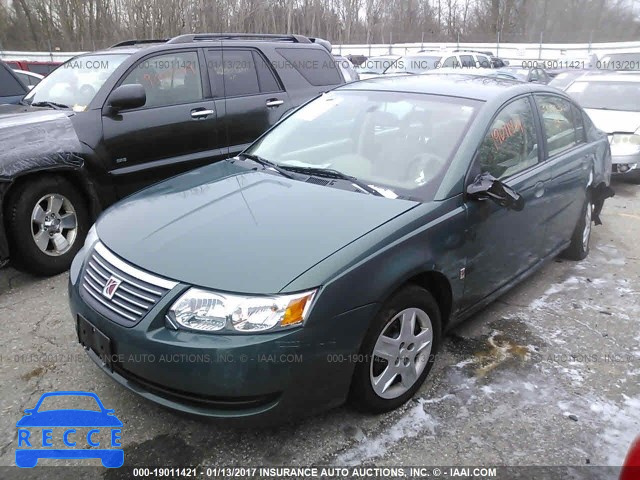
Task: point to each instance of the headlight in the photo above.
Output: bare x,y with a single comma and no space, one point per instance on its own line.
219,312
92,236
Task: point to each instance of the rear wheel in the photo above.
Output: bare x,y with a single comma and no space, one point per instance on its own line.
47,223
398,351
579,247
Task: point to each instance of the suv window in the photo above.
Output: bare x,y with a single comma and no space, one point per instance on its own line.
266,78
236,70
510,145
10,86
467,61
557,119
314,64
483,61
168,79
450,62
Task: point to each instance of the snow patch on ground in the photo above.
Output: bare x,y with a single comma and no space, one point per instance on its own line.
622,425
416,421
571,283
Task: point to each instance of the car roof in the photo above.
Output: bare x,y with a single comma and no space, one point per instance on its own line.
476,87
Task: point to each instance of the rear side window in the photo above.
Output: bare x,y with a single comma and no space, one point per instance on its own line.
266,79
558,123
467,61
581,136
9,86
450,62
236,70
314,64
483,62
511,143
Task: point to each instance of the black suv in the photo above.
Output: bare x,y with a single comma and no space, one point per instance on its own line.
108,123
11,87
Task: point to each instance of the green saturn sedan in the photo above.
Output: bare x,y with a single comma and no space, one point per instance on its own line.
327,261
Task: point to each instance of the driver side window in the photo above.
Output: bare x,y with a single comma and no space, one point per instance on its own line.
169,79
511,143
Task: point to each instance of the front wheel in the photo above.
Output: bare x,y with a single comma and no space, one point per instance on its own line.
47,224
398,351
579,247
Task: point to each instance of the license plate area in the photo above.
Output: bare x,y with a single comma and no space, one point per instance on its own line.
93,339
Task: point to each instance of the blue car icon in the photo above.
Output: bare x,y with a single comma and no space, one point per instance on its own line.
68,419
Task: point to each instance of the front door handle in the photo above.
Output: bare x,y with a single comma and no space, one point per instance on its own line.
198,114
274,102
538,190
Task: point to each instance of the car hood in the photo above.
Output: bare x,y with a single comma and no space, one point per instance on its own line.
228,228
36,138
610,121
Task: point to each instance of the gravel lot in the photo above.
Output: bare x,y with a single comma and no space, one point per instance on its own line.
547,375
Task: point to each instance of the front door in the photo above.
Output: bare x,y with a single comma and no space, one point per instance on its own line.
175,131
504,243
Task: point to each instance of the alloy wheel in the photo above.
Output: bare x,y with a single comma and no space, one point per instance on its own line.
401,353
54,225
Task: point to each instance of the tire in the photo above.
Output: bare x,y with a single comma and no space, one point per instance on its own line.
579,247
59,203
402,353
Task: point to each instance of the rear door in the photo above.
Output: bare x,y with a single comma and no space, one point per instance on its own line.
570,159
175,131
505,243
248,95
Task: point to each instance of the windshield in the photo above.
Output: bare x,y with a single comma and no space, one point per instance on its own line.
376,64
75,83
416,64
398,143
621,95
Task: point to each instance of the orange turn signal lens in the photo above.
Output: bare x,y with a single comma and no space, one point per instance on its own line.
296,310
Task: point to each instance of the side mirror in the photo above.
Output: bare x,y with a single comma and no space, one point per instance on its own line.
127,96
485,186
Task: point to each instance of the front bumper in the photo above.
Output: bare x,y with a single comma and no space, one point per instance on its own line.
267,377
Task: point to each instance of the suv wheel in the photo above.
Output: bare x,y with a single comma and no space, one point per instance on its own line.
47,223
398,351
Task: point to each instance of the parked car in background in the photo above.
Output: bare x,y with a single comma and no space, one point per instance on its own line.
357,60
108,123
12,89
423,62
496,62
563,79
41,68
613,103
346,68
374,66
533,74
30,79
358,230
571,62
620,61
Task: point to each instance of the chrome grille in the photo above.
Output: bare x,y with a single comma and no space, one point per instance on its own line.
136,294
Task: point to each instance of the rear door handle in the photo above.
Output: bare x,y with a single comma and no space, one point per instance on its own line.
274,102
198,114
538,190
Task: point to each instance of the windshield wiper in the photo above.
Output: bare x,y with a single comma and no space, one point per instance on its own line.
55,105
266,163
331,173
